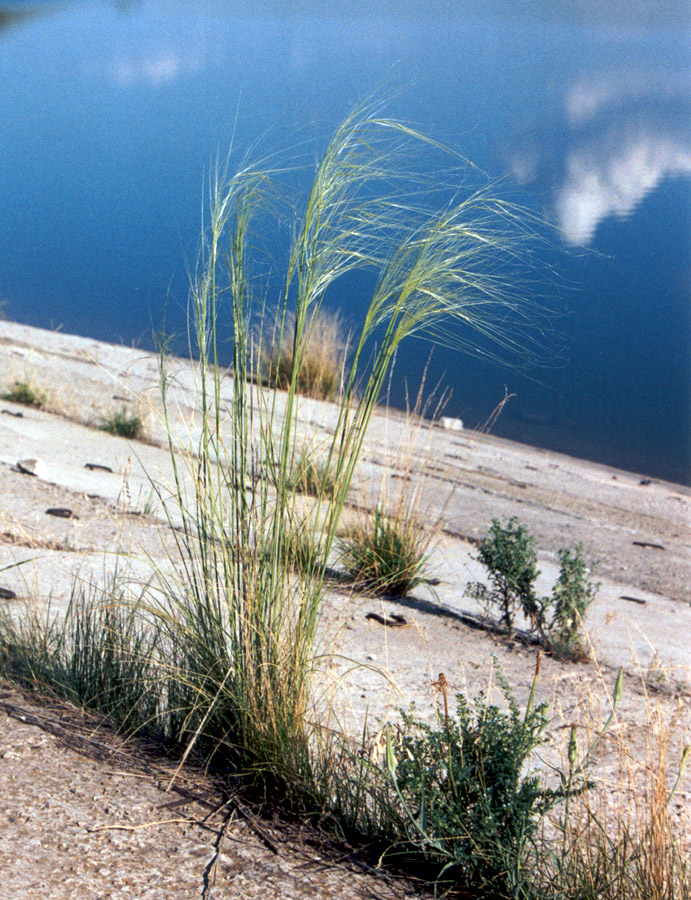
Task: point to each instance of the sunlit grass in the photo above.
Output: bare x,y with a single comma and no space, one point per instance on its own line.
216,654
122,423
323,366
247,616
384,555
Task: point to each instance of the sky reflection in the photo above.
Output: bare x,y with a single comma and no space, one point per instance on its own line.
629,131
611,175
111,113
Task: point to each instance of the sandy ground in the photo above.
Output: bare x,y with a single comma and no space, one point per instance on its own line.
87,816
639,531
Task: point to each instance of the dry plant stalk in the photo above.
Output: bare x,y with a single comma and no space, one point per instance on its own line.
628,836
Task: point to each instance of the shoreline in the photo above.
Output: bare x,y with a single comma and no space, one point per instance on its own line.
620,517
25,336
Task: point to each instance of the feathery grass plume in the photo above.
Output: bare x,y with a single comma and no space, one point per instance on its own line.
242,618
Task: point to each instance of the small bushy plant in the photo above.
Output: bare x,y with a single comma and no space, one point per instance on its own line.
26,393
467,799
386,555
572,595
508,553
122,423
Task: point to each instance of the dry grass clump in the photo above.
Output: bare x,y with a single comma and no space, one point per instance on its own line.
311,474
122,423
321,370
387,549
387,555
629,836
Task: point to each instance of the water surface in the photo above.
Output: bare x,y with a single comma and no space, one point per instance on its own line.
111,112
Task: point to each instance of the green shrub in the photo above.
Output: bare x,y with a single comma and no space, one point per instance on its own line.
508,554
122,423
386,555
25,393
571,596
467,800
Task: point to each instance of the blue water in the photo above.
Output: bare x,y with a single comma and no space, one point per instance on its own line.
110,114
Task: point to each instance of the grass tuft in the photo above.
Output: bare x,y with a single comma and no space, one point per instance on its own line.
322,368
311,475
385,555
26,393
122,423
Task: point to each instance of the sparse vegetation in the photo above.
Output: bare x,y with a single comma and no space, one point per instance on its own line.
466,798
572,595
387,549
100,655
463,803
311,474
26,393
508,553
302,547
628,836
122,423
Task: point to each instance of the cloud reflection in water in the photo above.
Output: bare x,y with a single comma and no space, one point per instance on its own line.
611,176
625,133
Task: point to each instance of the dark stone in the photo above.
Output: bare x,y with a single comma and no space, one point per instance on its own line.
61,512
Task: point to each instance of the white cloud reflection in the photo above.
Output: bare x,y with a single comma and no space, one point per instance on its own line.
154,67
605,180
628,132
591,96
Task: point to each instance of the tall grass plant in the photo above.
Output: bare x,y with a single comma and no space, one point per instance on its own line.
246,617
